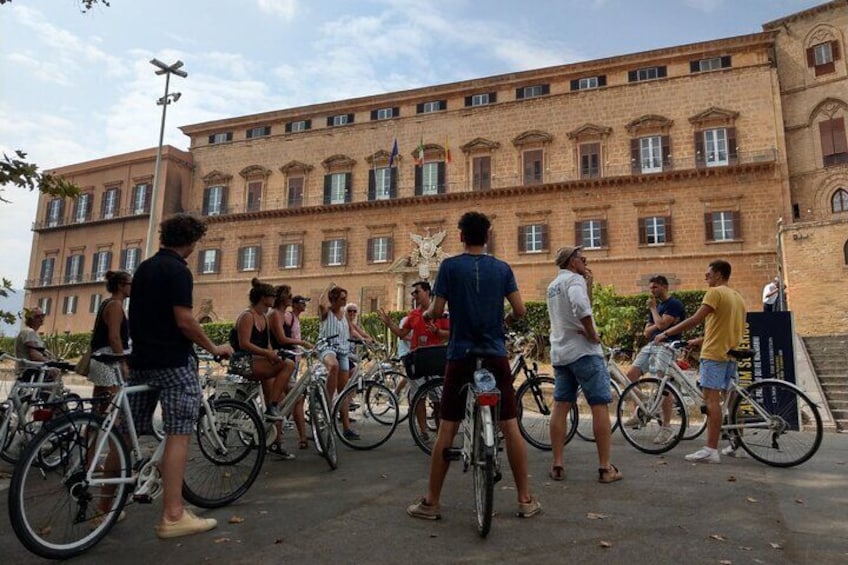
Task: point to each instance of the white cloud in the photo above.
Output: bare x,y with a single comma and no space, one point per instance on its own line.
285,9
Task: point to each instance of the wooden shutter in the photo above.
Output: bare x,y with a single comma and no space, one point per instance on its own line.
578,234
493,97
94,264
419,108
350,118
217,255
329,121
732,153
344,252
604,234
240,260
546,243
709,235
826,135
89,207
662,72
643,232
665,151
229,136
92,303
68,273
281,256
308,124
369,250
419,180
468,101
695,66
602,80
726,62
200,261
372,184
668,236
254,196
635,156
395,111
575,84
393,183
374,114
443,104
546,89
390,249
834,50
490,242
288,127
148,196
325,253
440,178
737,225
65,304
700,156
348,187
522,239
206,201
632,76
840,144
328,187
225,193
212,139
519,93
811,57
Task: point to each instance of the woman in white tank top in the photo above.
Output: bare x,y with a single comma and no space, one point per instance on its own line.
333,322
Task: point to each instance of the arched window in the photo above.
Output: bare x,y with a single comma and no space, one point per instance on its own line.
839,201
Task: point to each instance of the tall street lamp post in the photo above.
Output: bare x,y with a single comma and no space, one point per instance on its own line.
166,70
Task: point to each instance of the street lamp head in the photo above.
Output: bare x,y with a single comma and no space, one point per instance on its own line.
163,68
176,96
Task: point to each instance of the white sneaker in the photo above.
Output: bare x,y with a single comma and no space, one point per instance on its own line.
704,455
633,420
664,436
731,451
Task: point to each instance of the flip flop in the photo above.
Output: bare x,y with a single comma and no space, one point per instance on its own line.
557,473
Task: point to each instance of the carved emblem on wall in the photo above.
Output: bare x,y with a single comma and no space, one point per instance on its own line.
427,253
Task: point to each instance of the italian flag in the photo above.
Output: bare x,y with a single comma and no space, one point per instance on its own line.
420,161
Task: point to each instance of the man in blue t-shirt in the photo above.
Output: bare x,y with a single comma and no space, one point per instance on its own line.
475,285
664,311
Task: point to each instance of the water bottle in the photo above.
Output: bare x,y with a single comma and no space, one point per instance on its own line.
484,380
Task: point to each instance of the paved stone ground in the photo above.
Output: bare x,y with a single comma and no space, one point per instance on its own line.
665,511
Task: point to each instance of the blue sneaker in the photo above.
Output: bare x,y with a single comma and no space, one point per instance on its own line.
350,434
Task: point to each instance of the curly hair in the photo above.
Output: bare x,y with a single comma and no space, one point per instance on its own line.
475,228
335,292
181,230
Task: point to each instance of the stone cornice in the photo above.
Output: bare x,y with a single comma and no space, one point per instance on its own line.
804,14
295,165
338,161
649,122
714,114
479,144
532,136
216,177
590,130
255,171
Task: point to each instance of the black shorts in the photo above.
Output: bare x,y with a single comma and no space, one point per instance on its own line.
459,372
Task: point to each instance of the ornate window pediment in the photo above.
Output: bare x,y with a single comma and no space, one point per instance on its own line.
217,178
714,116
255,171
431,151
295,166
649,122
828,108
820,34
479,144
338,162
380,157
533,137
589,131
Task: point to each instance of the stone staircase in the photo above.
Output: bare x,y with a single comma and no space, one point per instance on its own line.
829,355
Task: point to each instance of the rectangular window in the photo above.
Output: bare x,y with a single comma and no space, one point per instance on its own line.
723,226
430,179
69,305
383,183
340,120
481,178
654,230
74,269
647,73
221,137
45,304
380,249
715,147
533,238
82,212
650,154
131,259
94,303
834,145
214,201
823,57
301,125
54,212
110,203
533,167
102,263
480,99
248,258
141,199
295,197
822,53
290,256
47,268
590,160
384,113
587,83
254,196
260,131
338,188
532,91
432,106
209,261
591,234
333,252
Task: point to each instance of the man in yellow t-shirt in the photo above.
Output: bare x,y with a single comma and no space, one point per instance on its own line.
723,313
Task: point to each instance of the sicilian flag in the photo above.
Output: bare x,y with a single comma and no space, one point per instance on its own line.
420,160
447,151
394,154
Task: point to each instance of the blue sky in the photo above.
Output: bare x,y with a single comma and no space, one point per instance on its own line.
75,86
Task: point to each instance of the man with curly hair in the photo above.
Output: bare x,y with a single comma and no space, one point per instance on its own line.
164,330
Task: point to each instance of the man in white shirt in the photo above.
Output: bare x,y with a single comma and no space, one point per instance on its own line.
770,292
578,360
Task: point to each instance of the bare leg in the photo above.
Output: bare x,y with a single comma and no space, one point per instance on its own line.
172,468
345,408
516,451
438,464
601,429
712,398
559,429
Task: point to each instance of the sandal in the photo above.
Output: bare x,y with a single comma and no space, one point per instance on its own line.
278,448
609,474
303,444
557,473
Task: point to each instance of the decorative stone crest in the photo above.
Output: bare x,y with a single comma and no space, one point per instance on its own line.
427,253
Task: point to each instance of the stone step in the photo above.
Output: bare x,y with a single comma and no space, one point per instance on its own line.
833,379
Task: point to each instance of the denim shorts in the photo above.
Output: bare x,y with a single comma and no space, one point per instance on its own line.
590,373
717,375
662,358
342,358
177,388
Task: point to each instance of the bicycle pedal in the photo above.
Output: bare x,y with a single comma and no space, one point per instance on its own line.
142,498
498,476
452,454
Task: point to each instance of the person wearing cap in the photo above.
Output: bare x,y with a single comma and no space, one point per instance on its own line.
29,345
356,331
578,361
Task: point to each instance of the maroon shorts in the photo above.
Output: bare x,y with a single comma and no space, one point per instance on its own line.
459,372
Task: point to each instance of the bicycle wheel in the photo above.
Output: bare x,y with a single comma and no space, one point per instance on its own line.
396,383
773,431
535,400
322,429
585,427
226,455
648,432
696,417
373,398
424,417
483,464
54,511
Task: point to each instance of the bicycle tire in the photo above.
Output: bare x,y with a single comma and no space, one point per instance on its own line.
644,435
776,441
53,512
429,396
226,455
696,417
322,428
16,435
535,403
373,432
483,466
585,429
391,380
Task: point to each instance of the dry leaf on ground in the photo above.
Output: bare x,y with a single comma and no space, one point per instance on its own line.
605,544
799,501
731,479
278,541
221,540
718,537
596,516
775,545
725,562
751,499
235,519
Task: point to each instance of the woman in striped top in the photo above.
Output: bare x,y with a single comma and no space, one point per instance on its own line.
335,356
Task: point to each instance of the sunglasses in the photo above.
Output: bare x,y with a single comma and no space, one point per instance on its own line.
352,311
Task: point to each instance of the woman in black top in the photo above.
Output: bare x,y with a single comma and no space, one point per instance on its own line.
111,334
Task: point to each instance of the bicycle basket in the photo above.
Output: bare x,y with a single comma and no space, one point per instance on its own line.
429,361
